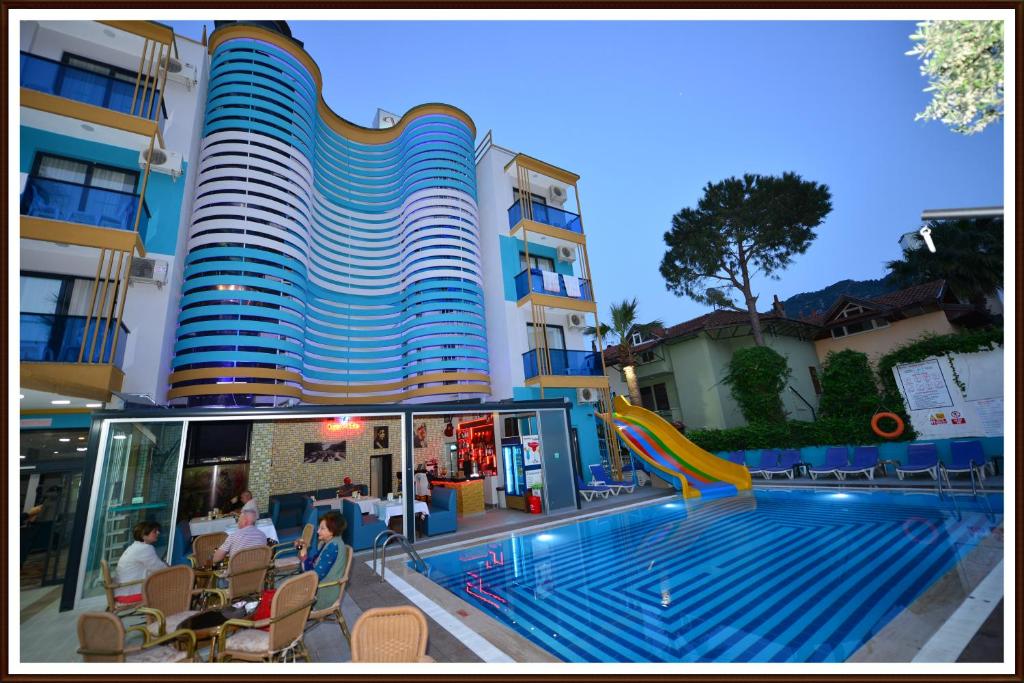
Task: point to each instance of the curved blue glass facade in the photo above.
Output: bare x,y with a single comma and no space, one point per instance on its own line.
326,263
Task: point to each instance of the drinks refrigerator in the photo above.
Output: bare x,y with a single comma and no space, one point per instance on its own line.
512,458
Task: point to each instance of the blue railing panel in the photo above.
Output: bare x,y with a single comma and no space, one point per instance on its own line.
548,215
562,362
49,338
64,201
535,283
82,85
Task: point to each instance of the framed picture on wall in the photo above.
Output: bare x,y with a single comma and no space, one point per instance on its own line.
380,437
320,451
419,437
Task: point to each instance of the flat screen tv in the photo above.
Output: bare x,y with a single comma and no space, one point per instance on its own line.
210,443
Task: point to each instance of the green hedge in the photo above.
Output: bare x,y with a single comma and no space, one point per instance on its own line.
792,434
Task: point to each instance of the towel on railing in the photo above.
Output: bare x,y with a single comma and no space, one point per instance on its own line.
550,281
572,286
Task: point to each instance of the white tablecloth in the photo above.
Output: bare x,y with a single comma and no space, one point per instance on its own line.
386,510
264,525
365,503
202,525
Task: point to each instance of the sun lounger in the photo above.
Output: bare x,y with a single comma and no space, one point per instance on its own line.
921,458
964,457
865,460
835,458
737,457
599,475
588,491
769,460
786,462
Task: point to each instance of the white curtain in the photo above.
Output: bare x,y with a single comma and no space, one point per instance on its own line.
63,169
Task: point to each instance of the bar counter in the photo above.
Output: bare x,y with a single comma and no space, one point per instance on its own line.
469,494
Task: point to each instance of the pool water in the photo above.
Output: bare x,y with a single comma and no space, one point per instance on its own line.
771,576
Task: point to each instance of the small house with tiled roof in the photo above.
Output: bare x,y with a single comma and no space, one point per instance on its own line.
877,325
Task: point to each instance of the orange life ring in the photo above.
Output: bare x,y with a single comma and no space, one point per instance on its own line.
887,435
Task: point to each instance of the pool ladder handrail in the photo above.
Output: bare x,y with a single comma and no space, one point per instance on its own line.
388,536
949,487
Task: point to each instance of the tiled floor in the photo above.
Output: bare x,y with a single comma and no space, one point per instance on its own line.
49,636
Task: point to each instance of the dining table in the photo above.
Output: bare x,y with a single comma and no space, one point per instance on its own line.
266,525
386,509
365,503
205,525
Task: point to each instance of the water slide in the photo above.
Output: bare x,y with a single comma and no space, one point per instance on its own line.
689,468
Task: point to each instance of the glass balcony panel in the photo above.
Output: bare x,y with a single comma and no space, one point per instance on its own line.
562,362
549,215
81,85
48,338
535,283
77,203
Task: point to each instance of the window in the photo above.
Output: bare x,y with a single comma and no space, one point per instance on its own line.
859,326
538,262
114,89
554,336
637,339
814,379
48,294
84,173
647,357
655,398
536,198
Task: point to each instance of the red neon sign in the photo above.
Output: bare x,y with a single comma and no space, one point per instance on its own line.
344,426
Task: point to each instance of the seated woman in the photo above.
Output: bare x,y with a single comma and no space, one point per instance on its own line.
138,561
331,558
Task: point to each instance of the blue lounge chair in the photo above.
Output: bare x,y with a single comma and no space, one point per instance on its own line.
769,460
786,463
359,531
588,491
865,460
599,475
964,457
921,458
737,457
443,518
835,458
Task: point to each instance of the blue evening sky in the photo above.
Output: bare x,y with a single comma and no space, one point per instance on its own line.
647,113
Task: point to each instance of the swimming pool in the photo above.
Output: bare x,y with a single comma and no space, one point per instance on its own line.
773,576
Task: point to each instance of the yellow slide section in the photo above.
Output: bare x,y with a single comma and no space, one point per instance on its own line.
687,466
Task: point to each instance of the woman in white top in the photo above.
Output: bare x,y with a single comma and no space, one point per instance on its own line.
139,560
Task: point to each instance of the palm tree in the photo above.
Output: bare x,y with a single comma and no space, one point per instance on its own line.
598,335
623,326
968,256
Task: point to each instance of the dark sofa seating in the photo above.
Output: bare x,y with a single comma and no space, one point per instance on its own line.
359,530
291,512
443,516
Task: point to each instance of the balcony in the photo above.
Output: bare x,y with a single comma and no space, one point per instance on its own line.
535,283
547,215
76,203
48,338
100,90
563,363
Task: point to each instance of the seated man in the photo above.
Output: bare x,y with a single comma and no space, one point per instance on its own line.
247,536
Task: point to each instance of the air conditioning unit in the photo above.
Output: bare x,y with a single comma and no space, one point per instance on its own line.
566,254
556,194
149,271
163,161
180,72
587,395
576,321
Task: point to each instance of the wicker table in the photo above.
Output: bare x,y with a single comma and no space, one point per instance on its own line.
206,625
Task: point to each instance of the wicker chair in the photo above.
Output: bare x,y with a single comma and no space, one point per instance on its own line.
203,547
109,586
335,581
286,555
167,597
101,637
390,634
245,640
246,574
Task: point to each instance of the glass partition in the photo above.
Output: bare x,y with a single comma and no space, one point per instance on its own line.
137,475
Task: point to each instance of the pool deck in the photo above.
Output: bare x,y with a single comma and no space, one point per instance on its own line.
459,632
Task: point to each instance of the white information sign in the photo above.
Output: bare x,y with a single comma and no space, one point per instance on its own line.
923,385
990,415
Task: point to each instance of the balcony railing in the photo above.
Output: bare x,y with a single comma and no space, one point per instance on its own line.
549,215
50,338
82,85
535,283
77,203
562,362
